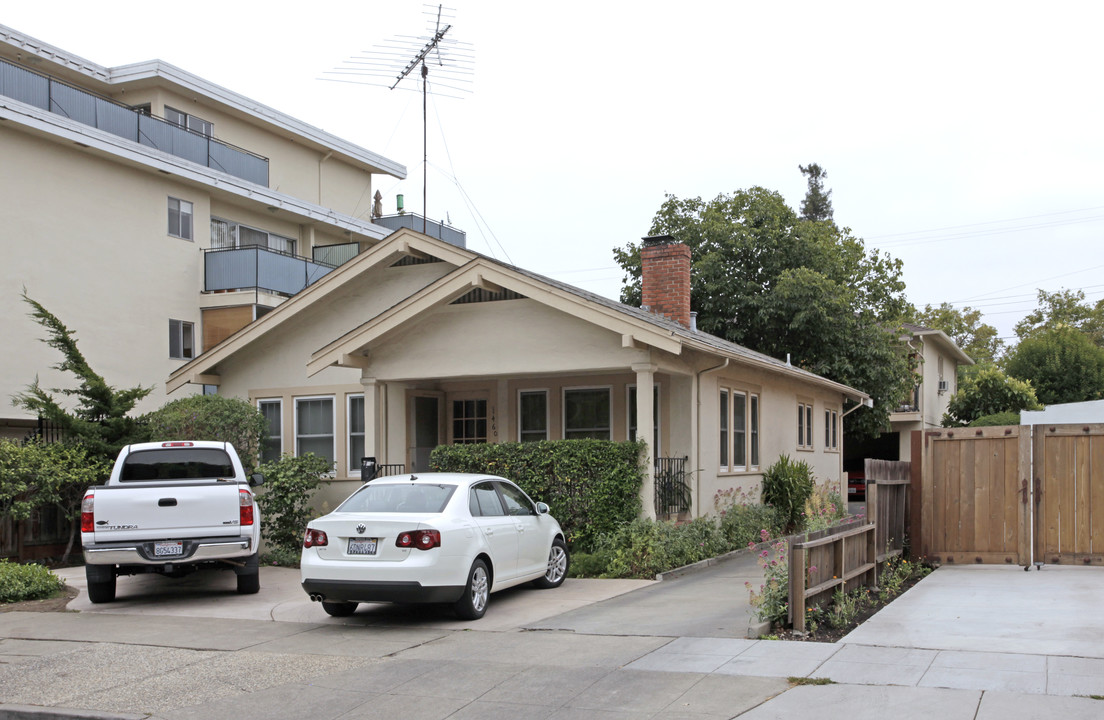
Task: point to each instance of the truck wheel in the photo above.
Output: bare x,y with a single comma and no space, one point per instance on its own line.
101,583
249,577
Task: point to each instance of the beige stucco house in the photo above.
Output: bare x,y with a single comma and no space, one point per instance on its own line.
157,213
417,342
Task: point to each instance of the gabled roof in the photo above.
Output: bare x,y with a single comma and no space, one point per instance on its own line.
474,270
941,338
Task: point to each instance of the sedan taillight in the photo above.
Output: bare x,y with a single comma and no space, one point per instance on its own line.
315,538
419,539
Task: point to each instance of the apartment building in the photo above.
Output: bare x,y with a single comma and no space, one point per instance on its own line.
156,213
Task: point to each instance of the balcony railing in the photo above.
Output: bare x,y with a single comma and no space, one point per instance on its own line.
432,228
259,268
912,404
62,99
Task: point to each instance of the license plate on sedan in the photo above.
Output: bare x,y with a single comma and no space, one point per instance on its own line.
168,549
363,546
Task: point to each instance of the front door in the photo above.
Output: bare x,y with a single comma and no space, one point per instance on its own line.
425,430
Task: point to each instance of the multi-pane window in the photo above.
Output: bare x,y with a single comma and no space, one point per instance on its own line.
831,431
532,415
355,423
189,122
229,234
739,430
274,434
586,414
469,421
180,218
314,427
181,339
805,426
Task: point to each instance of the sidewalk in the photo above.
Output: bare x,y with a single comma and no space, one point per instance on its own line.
383,663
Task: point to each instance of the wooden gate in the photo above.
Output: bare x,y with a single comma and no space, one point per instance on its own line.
1069,494
973,495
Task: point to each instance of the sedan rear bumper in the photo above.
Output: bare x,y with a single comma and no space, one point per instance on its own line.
376,591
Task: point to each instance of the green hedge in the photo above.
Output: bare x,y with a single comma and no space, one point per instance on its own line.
26,582
591,486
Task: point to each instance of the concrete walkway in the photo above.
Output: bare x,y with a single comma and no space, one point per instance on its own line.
166,660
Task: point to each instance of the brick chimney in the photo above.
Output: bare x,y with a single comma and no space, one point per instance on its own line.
665,278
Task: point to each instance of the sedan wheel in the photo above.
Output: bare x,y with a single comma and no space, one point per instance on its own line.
557,566
473,603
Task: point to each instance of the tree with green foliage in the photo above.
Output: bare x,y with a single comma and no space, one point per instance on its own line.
285,500
212,417
38,475
100,420
977,339
1064,309
1063,365
988,391
817,205
764,278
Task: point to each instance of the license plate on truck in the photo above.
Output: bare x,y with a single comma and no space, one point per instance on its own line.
168,549
362,546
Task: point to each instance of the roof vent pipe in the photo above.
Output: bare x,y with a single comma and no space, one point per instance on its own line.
694,320
787,358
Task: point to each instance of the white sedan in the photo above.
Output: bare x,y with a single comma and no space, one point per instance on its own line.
431,538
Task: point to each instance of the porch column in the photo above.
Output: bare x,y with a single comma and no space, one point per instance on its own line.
645,422
371,412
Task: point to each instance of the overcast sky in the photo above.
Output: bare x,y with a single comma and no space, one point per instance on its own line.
963,137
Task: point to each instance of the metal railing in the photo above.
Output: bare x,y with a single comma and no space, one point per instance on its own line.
912,404
248,268
433,228
60,98
672,491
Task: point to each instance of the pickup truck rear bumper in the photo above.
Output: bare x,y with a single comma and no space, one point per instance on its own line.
143,553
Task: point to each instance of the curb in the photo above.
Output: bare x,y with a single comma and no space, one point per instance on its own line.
710,562
38,712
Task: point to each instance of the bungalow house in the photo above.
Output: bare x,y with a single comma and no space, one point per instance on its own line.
416,342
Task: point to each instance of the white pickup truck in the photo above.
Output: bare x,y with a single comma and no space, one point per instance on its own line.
170,508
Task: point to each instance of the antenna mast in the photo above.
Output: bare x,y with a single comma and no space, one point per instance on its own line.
434,44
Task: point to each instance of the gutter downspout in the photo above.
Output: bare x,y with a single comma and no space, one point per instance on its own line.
697,433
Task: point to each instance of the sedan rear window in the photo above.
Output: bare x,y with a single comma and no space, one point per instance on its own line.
398,498
177,464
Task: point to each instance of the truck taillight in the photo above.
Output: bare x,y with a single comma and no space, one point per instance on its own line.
245,507
315,538
88,518
419,539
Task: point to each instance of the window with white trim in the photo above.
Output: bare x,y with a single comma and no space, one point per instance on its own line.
804,426
230,234
314,427
831,432
189,122
181,339
180,218
739,430
586,413
355,423
274,434
532,415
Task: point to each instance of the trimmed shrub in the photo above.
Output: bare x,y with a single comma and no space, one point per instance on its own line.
787,484
284,499
211,417
591,486
997,419
26,582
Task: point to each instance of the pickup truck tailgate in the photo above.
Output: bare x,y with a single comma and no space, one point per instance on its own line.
177,511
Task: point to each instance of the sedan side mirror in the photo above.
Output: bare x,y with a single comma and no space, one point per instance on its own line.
542,509
256,480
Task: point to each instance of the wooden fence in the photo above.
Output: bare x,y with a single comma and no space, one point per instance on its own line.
847,556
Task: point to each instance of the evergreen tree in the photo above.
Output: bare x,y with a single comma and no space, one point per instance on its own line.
817,205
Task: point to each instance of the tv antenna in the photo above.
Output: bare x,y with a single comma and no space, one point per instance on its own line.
453,61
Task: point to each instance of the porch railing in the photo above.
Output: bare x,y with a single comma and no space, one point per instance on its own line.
672,491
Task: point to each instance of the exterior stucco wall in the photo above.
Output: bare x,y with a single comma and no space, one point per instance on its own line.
88,239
